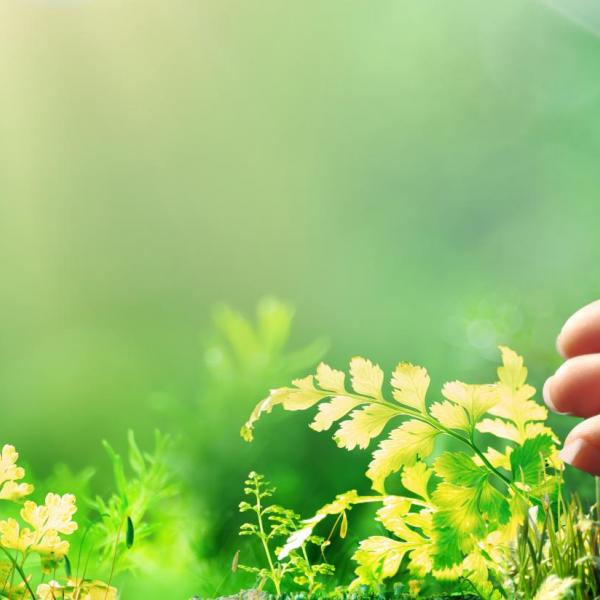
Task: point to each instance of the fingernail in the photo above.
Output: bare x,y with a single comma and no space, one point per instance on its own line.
559,348
570,453
547,396
580,453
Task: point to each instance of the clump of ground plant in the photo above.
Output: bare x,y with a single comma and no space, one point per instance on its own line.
272,525
34,543
488,518
49,549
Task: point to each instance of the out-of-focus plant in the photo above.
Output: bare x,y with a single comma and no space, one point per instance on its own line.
131,511
273,525
461,517
241,357
144,527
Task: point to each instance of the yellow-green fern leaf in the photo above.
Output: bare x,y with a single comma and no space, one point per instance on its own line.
405,444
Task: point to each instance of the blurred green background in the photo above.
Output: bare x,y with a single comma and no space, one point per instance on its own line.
418,179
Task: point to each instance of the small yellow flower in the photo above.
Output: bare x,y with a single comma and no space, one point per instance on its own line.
11,536
87,589
14,491
8,468
50,543
49,591
54,515
47,521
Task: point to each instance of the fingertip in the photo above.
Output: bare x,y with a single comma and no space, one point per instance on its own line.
583,455
581,332
547,394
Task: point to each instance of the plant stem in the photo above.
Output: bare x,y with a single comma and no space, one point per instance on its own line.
263,539
19,570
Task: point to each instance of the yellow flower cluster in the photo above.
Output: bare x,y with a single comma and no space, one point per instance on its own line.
41,535
47,521
76,589
10,473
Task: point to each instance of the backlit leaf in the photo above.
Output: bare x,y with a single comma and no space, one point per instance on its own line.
475,399
512,372
450,415
378,558
410,385
329,412
413,439
367,378
329,379
364,424
416,478
302,396
392,515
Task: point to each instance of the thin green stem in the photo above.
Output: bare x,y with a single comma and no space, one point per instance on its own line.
19,570
263,539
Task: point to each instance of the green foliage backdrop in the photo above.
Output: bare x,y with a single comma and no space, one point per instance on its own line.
418,179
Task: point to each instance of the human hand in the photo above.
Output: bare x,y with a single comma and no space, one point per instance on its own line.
575,387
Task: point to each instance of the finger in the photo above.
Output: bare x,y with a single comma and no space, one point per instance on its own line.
581,333
582,446
575,387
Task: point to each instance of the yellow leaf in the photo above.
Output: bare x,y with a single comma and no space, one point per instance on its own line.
499,428
330,379
450,415
392,515
367,378
475,399
416,478
512,372
410,385
378,558
329,412
534,429
423,520
363,425
411,440
421,559
302,396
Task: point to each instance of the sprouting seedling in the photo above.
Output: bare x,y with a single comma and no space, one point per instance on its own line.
459,511
272,525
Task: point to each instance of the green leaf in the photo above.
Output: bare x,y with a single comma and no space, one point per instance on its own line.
136,459
129,533
459,468
467,502
527,461
274,323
